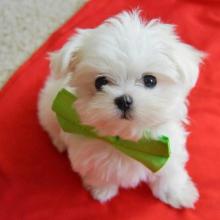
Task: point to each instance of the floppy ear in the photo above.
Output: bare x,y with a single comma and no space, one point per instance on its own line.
187,60
65,60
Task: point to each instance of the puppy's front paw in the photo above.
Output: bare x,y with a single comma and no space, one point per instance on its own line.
103,194
182,196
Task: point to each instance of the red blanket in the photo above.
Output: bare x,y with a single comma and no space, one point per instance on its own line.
36,182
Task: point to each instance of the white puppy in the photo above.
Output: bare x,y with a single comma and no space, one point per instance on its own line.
130,76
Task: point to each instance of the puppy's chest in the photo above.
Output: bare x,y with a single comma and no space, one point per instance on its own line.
101,161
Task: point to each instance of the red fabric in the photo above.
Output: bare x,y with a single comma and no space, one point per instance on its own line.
36,182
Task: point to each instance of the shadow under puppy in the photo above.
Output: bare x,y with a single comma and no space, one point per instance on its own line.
130,76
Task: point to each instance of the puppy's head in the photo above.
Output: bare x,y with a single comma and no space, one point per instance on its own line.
129,74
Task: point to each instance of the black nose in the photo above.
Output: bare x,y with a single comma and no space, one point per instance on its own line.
124,102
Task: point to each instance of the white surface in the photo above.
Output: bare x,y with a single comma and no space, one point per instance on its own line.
25,25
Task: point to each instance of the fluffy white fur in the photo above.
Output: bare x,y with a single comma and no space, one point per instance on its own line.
123,49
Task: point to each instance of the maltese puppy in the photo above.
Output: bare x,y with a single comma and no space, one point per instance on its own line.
130,76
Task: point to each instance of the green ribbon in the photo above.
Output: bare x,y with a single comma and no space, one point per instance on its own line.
152,153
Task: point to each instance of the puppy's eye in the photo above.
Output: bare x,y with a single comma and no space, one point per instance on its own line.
150,81
100,81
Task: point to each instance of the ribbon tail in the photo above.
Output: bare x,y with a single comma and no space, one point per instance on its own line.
152,162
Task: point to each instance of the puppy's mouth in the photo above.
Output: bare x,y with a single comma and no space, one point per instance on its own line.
126,115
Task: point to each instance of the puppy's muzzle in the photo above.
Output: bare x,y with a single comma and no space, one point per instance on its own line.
124,103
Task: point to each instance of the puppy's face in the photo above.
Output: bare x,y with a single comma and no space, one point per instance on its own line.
131,75
127,95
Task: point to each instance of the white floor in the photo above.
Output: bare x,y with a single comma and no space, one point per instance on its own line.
25,25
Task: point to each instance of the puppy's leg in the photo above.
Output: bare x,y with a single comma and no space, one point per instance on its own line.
82,161
55,134
102,193
48,120
174,187
57,142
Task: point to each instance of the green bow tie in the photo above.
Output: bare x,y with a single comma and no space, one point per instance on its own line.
152,153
